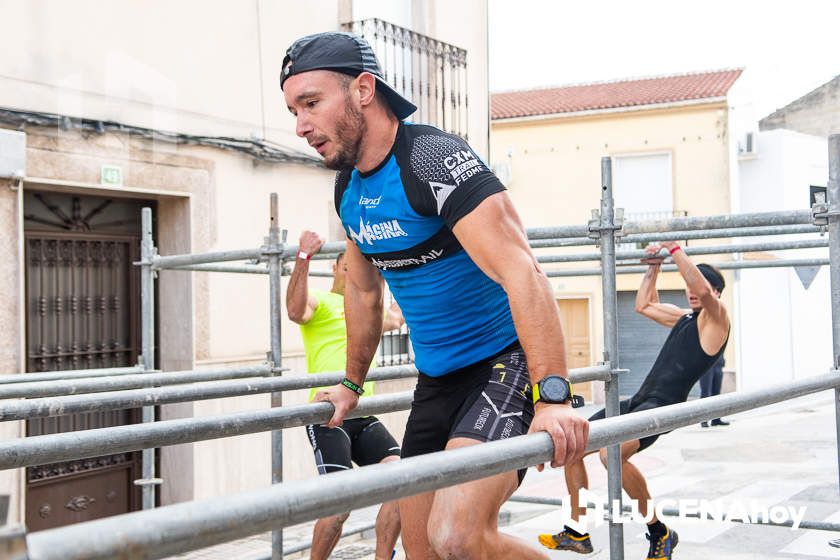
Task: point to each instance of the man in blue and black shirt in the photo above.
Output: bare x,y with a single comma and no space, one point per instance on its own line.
422,211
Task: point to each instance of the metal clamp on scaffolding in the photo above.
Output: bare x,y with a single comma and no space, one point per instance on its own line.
596,227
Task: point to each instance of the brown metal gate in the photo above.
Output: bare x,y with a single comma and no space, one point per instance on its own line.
82,295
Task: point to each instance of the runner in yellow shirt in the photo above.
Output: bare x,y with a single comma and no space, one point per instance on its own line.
364,441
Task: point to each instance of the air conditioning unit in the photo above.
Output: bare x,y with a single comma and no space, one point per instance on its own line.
746,145
12,154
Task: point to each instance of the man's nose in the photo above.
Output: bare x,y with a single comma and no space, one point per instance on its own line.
302,127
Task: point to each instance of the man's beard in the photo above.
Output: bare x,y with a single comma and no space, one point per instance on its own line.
348,133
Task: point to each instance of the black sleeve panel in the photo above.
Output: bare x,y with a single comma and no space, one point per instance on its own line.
342,178
450,179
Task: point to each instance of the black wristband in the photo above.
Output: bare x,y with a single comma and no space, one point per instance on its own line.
353,387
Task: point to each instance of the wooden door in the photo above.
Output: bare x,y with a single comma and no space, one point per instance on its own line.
574,316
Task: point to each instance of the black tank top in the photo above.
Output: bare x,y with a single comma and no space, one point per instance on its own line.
680,364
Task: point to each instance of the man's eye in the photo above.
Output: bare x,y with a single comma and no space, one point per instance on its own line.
311,104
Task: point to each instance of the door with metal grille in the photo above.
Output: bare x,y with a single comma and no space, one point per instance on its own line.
82,312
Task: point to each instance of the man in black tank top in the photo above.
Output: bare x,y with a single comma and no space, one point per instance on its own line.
698,338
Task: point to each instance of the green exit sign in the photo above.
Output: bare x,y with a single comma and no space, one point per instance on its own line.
111,176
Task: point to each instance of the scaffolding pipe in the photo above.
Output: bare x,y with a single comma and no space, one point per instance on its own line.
188,526
274,255
148,482
124,382
235,268
725,265
606,230
52,448
173,261
73,404
725,221
97,402
693,251
67,374
117,400
833,192
683,235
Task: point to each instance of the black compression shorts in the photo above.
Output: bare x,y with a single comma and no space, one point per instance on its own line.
364,441
487,401
627,406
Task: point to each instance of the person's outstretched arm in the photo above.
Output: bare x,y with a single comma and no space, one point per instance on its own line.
300,306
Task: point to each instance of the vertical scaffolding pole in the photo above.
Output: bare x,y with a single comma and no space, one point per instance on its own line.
147,320
834,266
274,250
610,297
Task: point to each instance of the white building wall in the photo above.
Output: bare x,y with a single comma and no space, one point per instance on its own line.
785,329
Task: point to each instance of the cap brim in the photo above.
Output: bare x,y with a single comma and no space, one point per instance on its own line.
401,106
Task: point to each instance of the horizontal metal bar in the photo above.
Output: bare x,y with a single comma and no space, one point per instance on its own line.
122,382
233,268
538,243
120,439
116,400
172,261
726,265
187,526
725,221
720,233
39,450
332,249
66,374
561,232
590,373
674,512
710,250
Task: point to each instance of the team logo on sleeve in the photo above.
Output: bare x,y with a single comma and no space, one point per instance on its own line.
441,191
462,165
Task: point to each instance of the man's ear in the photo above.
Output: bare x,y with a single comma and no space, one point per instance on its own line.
366,84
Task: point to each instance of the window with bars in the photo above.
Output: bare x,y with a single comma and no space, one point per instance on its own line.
428,72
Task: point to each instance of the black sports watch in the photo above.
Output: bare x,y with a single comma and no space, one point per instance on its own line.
554,389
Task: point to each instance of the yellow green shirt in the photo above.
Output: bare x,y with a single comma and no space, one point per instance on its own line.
325,338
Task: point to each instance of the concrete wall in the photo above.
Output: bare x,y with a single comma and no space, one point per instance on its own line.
785,329
816,113
556,173
198,68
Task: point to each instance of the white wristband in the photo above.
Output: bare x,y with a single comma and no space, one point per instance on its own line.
302,255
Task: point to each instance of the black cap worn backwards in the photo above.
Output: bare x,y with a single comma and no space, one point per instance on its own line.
712,276
345,53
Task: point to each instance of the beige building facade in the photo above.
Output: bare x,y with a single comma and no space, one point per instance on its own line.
670,158
203,71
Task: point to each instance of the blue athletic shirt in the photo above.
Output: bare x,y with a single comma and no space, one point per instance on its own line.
401,216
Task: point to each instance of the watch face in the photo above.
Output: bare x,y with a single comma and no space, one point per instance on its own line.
554,389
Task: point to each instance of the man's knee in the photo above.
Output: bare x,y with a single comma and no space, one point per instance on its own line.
455,539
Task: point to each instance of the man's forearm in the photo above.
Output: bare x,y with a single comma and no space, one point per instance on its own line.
297,293
537,322
694,279
647,293
363,314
